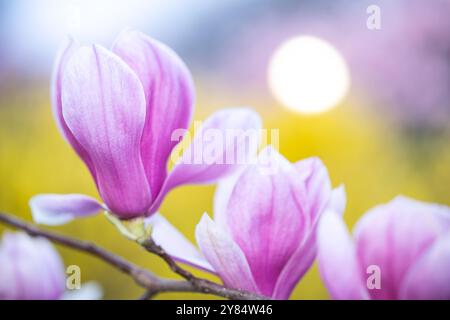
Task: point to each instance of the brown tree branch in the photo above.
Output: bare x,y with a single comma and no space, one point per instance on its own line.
142,277
149,294
202,285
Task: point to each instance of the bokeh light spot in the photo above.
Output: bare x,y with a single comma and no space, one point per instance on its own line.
308,75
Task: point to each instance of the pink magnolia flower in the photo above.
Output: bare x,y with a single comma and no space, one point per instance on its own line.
262,238
118,109
31,269
406,243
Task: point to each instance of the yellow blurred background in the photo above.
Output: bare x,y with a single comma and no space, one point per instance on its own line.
374,160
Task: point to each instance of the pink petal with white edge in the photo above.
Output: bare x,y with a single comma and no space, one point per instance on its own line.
338,200
429,277
65,52
58,209
104,107
169,93
338,262
213,154
318,185
206,159
224,255
224,190
266,218
304,256
299,263
437,211
393,236
176,244
30,268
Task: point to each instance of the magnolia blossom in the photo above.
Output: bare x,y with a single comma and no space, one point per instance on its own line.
31,269
400,250
262,238
119,110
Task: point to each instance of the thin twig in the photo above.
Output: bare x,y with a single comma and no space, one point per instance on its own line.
142,277
202,285
147,295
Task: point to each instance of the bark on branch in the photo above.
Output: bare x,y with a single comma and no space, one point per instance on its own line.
144,278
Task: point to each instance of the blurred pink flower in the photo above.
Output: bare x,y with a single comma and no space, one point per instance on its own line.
30,268
118,109
401,71
407,241
262,238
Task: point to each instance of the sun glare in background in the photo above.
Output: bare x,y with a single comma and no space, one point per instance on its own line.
308,75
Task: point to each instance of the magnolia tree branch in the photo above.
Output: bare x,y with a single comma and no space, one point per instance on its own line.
202,285
144,278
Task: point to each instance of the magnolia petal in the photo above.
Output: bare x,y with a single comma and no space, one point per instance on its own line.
206,160
392,237
338,262
304,256
299,263
65,52
169,92
224,190
176,244
57,209
224,255
104,107
9,290
318,185
437,211
429,278
266,218
30,269
89,291
338,200
214,153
